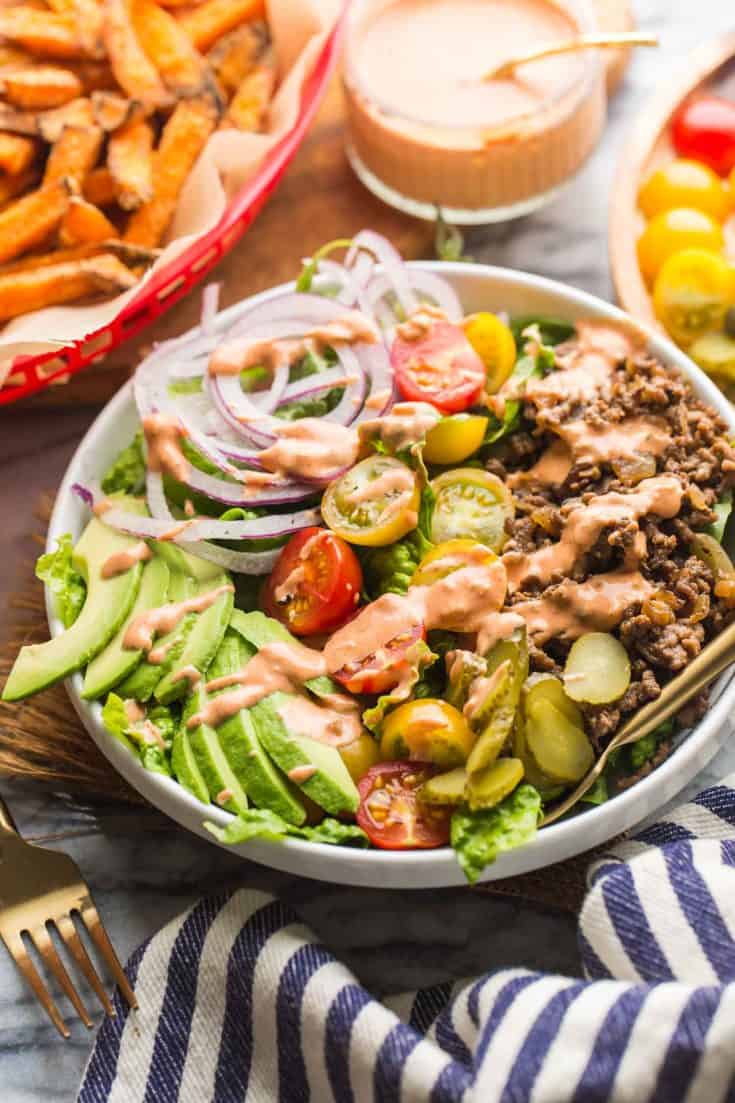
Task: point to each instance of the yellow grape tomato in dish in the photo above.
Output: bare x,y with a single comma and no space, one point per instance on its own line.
494,343
454,438
684,183
473,504
448,557
715,354
427,730
672,231
375,503
692,294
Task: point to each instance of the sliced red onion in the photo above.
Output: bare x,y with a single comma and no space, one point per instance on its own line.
241,562
392,261
200,528
210,305
429,286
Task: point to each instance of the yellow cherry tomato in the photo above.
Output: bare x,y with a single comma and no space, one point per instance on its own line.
375,503
427,730
448,557
672,231
359,755
715,354
471,503
494,343
684,183
454,438
692,294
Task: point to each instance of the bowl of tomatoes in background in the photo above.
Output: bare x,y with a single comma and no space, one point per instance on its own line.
672,219
480,288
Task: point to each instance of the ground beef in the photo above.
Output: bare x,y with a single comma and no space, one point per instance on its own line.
662,636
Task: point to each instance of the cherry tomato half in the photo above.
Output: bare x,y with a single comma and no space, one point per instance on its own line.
383,670
454,438
315,583
374,503
704,130
672,231
429,730
495,344
471,503
390,812
441,368
451,556
683,183
692,293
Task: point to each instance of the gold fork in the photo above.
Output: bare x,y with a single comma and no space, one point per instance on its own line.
42,891
711,661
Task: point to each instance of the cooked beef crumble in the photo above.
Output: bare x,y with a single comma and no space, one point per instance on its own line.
663,634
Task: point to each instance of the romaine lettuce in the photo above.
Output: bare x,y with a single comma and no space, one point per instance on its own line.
261,823
479,837
67,585
127,474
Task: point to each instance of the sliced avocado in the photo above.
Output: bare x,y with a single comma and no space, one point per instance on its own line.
259,630
216,772
146,676
201,570
115,662
330,785
264,784
184,766
202,641
106,606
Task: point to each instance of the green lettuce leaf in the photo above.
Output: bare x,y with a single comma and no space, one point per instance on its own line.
552,330
479,837
308,272
599,792
153,757
65,583
389,569
261,823
127,474
448,240
527,367
417,658
722,509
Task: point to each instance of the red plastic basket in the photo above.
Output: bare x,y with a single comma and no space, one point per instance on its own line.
30,374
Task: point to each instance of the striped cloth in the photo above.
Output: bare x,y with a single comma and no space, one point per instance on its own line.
239,1003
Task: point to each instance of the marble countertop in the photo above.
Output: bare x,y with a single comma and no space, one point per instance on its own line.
393,940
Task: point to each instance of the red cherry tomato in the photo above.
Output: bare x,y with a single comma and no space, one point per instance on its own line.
315,583
441,368
703,129
390,813
383,670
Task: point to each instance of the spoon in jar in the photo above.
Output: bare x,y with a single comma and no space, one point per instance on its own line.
609,41
711,661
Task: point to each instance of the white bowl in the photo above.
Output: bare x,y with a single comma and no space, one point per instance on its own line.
480,288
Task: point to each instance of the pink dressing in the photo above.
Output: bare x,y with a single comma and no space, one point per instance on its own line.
393,482
302,716
574,608
122,561
482,687
237,355
290,585
162,620
311,448
660,496
403,427
300,774
420,322
188,673
163,436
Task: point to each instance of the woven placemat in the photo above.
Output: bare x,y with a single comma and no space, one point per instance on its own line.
42,741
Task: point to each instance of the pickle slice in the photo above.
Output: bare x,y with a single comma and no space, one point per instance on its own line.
498,724
712,553
446,788
547,687
489,786
546,786
597,669
560,749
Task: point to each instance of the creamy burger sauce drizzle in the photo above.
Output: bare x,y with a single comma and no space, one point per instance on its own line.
160,621
585,523
122,561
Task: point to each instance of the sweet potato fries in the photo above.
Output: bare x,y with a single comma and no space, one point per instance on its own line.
105,107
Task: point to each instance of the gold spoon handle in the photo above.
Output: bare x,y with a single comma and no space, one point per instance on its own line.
711,661
609,41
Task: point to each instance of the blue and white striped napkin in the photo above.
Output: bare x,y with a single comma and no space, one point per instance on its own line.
240,1004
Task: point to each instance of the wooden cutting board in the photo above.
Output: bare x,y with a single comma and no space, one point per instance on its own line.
318,199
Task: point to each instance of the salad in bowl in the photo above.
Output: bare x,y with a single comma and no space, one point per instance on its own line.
374,572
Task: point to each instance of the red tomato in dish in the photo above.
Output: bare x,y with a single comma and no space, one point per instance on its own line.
390,813
441,368
315,584
383,670
703,129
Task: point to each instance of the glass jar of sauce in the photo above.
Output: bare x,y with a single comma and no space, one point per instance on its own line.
424,128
